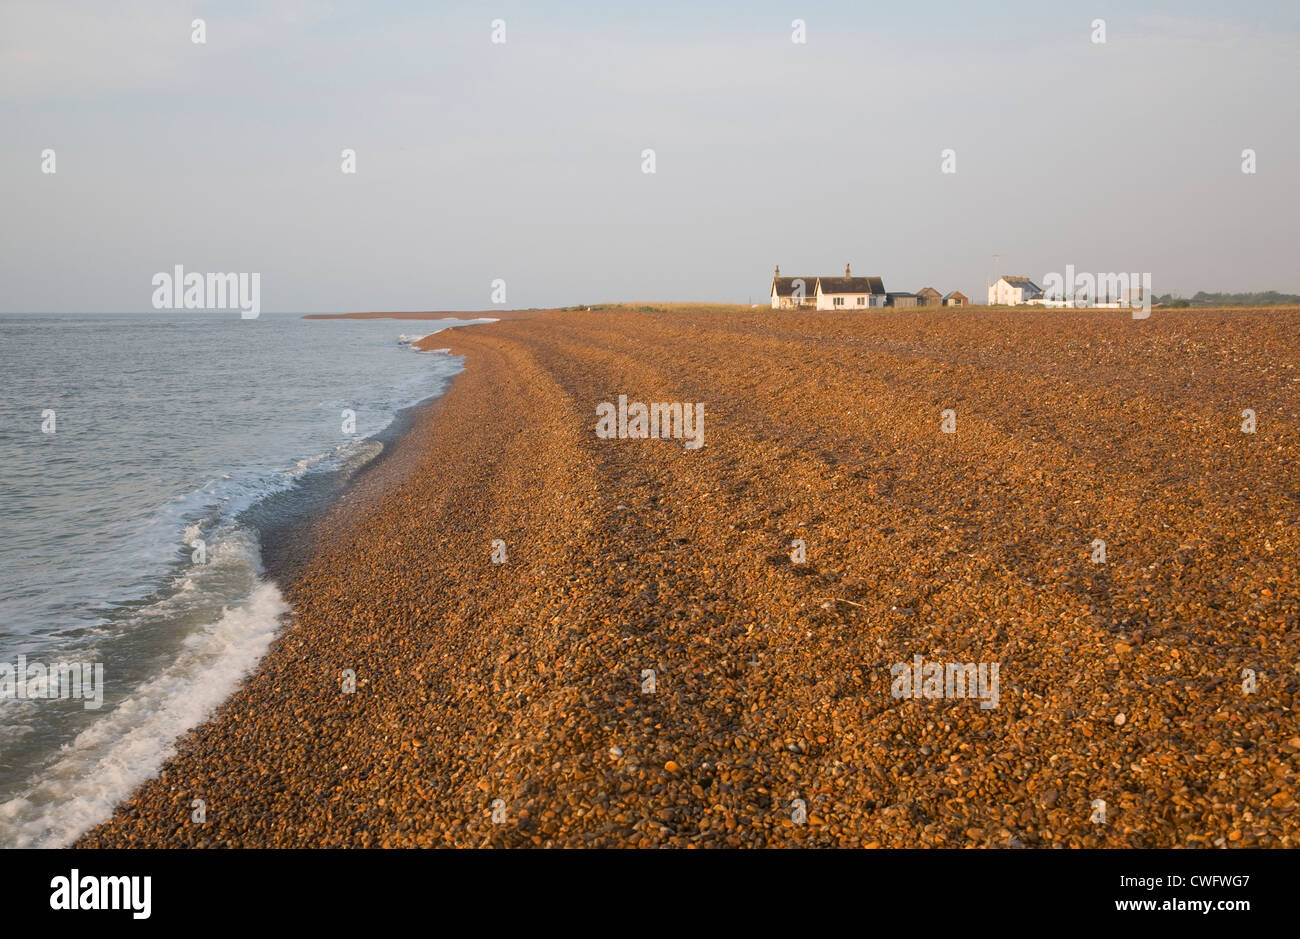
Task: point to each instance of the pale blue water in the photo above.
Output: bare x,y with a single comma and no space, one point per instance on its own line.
170,429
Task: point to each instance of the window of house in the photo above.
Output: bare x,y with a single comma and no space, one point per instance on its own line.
862,301
839,301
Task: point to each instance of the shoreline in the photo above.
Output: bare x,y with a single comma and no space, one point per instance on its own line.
524,681
287,547
181,644
431,315
289,552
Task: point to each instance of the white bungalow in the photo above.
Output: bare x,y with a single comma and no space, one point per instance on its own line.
849,292
789,293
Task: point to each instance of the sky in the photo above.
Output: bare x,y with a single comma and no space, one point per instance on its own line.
523,161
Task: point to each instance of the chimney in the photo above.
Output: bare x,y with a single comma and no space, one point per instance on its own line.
778,270
846,271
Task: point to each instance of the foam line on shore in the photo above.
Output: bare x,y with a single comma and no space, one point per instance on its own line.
127,746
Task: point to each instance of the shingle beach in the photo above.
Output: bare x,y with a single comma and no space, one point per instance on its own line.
696,647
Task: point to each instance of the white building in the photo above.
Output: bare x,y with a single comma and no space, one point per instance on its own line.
789,293
827,293
849,292
1013,291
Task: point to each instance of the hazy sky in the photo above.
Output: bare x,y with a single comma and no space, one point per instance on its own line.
522,161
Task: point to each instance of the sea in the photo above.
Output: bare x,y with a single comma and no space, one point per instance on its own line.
144,461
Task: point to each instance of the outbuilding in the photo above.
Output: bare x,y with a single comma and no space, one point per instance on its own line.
928,296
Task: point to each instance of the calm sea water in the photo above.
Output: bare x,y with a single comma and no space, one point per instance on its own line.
130,536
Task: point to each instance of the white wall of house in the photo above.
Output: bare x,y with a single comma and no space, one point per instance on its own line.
791,302
845,301
1008,294
785,303
1004,294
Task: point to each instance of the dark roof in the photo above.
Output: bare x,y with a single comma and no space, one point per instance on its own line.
785,286
928,292
901,293
955,293
1020,281
852,285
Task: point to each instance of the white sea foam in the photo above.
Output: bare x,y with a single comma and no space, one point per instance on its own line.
16,716
127,745
304,465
